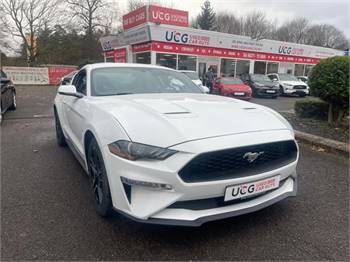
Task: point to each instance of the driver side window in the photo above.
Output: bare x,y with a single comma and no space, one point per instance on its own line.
79,82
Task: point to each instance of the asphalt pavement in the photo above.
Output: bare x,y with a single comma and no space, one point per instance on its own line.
46,210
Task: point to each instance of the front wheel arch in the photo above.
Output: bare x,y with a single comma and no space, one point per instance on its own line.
87,139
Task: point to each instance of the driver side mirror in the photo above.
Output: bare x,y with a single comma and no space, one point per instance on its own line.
69,90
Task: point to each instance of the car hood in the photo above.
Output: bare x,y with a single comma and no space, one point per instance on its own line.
237,87
265,83
168,119
294,83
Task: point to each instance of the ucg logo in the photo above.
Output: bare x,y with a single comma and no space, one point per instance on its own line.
243,190
285,50
176,37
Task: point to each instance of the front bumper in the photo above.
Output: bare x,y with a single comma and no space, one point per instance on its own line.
296,91
267,91
155,206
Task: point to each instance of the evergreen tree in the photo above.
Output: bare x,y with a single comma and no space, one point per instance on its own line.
206,19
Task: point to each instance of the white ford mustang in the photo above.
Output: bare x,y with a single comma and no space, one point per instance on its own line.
159,150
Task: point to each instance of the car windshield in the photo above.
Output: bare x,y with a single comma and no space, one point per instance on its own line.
137,80
231,81
260,77
192,75
287,77
3,75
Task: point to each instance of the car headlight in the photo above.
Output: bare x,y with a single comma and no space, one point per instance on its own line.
289,85
259,85
133,151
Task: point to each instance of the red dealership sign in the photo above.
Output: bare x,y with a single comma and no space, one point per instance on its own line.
57,72
134,18
229,53
168,16
155,14
119,55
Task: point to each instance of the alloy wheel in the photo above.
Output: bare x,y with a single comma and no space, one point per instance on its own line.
96,174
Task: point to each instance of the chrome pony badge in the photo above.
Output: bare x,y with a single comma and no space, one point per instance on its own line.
252,156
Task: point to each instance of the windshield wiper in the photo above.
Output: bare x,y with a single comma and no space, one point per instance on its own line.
124,93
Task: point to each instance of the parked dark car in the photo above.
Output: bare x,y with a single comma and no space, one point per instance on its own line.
66,80
8,94
261,85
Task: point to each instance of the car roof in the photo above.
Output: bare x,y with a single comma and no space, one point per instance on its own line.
118,65
187,71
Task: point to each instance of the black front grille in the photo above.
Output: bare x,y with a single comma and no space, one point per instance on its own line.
299,87
233,163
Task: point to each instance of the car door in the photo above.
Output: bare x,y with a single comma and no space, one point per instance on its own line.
77,112
217,86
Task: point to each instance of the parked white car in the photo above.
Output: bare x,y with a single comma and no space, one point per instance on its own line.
158,150
290,84
193,75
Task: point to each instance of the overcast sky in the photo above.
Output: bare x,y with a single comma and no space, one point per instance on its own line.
335,12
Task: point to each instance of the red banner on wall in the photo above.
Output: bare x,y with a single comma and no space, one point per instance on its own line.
120,55
141,47
169,16
155,14
134,18
229,53
57,72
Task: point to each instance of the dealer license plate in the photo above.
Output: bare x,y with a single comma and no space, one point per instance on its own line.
238,93
270,91
253,188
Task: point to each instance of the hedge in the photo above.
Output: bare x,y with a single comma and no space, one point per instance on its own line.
311,108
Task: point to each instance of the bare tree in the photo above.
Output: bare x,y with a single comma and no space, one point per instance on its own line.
256,25
25,18
327,36
228,23
91,14
293,31
135,4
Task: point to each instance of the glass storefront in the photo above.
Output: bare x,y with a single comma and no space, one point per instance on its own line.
228,67
299,69
186,62
142,58
167,60
259,67
242,67
272,67
110,59
308,69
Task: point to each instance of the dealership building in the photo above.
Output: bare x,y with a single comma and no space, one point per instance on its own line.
162,36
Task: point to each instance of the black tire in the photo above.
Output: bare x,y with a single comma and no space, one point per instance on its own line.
274,97
281,91
98,180
61,140
302,95
13,106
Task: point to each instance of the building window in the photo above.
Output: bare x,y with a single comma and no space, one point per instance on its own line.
228,67
242,67
186,62
299,69
259,67
167,60
142,58
110,59
272,67
308,69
